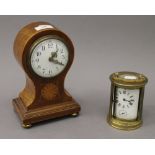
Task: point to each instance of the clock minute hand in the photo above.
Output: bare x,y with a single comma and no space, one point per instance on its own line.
125,100
56,62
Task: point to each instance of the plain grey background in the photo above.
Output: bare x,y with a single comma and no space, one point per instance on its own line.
103,45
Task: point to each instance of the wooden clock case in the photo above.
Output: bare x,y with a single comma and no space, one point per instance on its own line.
42,98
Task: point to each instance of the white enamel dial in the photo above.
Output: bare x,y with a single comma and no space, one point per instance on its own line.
126,103
49,57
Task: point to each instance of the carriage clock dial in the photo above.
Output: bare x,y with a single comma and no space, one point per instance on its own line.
126,102
46,55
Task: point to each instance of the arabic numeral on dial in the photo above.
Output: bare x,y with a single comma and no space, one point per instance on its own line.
43,48
39,67
50,45
38,53
63,56
119,104
50,71
124,91
44,70
130,103
61,50
37,60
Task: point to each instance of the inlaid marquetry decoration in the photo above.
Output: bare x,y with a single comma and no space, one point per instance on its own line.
49,92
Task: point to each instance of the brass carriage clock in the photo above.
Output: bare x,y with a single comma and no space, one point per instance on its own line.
45,54
126,102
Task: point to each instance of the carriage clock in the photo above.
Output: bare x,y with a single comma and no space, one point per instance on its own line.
126,102
45,53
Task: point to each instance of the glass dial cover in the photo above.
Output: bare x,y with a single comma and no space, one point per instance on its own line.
49,57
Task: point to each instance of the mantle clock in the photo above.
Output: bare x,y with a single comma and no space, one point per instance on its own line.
45,54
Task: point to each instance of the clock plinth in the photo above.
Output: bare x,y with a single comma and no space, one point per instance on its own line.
29,117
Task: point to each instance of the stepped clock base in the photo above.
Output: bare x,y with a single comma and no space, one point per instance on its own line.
29,117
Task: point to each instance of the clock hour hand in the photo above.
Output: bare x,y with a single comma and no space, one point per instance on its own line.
54,54
130,101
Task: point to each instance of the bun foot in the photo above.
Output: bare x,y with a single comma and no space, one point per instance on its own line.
26,125
75,114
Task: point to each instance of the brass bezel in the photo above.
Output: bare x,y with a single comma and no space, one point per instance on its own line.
128,83
38,41
117,82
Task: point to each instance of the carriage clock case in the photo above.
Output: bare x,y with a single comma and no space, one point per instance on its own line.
44,97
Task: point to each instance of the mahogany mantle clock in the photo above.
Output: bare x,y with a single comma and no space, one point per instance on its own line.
45,54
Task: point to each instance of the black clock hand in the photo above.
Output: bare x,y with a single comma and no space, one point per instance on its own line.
57,62
128,101
56,51
53,55
51,59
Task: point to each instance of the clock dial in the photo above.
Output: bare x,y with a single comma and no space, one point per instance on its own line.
126,103
49,57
